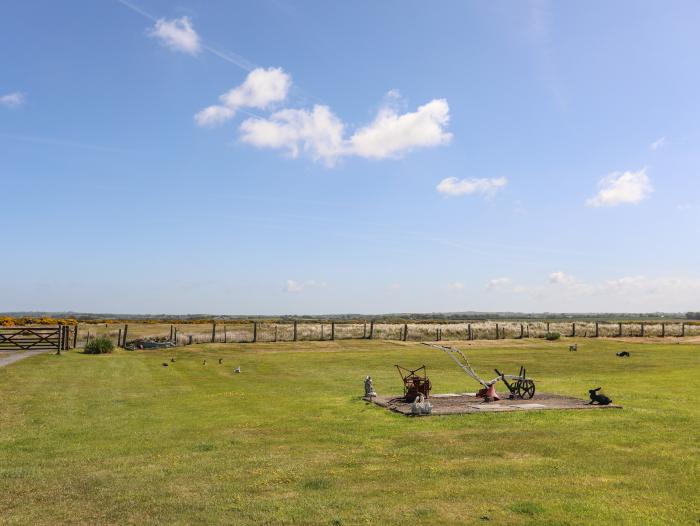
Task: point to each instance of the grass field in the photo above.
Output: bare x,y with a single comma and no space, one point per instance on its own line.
120,439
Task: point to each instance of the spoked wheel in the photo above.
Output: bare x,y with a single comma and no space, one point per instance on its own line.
526,389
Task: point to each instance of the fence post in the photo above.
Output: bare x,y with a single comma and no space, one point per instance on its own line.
321,331
225,334
682,330
547,327
119,338
364,332
619,329
332,330
371,329
641,326
663,330
255,331
573,329
469,331
75,336
126,329
596,329
275,332
405,331
522,331
213,332
190,340
175,335
497,331
60,339
295,330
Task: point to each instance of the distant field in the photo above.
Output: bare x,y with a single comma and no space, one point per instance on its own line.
480,330
120,439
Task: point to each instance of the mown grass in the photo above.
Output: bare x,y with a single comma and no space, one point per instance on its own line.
120,439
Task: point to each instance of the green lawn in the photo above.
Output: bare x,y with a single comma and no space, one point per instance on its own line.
119,439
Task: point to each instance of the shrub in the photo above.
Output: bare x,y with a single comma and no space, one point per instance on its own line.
552,336
99,345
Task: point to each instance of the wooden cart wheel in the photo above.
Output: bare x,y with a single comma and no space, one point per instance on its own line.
526,389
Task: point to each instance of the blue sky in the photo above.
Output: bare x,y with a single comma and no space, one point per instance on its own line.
325,157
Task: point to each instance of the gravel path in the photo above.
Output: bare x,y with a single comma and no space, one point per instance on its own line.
16,357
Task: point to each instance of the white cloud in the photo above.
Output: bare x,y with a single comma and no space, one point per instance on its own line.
636,293
640,290
498,283
317,133
213,115
625,283
314,283
261,88
622,188
457,285
298,286
451,186
320,134
560,278
177,34
391,134
12,100
293,286
658,143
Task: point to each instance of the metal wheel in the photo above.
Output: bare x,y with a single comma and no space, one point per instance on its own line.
526,389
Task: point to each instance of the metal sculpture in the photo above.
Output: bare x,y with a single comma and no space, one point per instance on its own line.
519,386
414,384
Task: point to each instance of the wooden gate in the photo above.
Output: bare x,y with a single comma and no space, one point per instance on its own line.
33,338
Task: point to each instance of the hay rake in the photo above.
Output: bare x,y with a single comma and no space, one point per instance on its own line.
519,386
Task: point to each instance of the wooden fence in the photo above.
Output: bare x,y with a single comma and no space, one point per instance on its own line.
64,337
256,331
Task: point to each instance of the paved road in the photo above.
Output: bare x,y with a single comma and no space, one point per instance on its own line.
7,359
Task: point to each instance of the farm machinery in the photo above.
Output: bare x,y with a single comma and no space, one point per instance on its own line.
519,386
415,382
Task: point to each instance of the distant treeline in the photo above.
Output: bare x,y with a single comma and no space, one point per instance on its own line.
70,318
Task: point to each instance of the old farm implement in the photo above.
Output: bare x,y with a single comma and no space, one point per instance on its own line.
519,386
415,382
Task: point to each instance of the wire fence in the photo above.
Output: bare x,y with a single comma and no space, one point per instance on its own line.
268,332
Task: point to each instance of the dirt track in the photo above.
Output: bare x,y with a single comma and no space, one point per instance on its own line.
8,358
